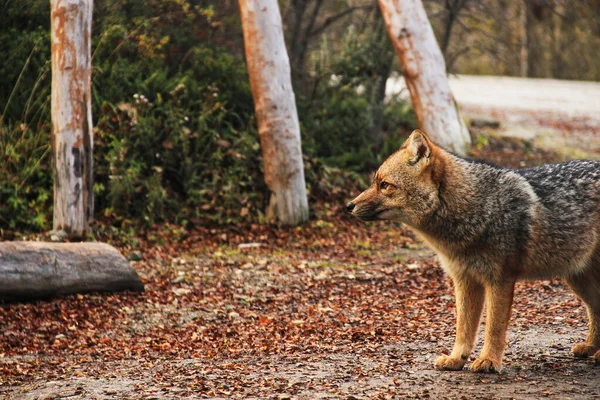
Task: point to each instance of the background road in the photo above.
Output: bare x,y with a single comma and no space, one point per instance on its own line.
561,116
574,98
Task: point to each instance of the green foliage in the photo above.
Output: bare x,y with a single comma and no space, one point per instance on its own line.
339,130
338,117
398,121
25,156
25,46
175,137
25,174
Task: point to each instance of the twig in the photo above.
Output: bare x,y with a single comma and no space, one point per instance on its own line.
333,18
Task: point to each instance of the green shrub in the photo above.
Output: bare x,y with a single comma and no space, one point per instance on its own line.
25,173
338,115
25,178
175,137
179,150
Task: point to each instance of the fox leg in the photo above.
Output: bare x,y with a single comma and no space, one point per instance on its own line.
499,298
587,287
469,304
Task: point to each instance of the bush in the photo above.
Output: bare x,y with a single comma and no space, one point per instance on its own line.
184,146
25,177
338,115
25,173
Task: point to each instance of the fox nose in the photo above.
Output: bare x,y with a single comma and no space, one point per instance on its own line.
350,206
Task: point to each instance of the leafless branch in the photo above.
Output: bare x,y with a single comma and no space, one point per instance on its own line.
330,20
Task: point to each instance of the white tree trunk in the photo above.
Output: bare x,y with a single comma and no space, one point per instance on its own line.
275,104
424,71
72,141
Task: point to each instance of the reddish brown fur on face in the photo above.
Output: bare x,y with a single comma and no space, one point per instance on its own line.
411,177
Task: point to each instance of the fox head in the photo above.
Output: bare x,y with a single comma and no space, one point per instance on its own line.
405,188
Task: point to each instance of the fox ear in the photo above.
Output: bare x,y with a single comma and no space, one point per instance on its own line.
418,146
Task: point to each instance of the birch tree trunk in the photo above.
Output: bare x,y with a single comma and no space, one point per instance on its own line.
72,141
424,71
275,105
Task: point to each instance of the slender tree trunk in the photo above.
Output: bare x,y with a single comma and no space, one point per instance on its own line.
536,38
557,54
453,8
530,25
448,32
274,101
306,37
523,25
377,134
296,33
72,141
386,59
424,71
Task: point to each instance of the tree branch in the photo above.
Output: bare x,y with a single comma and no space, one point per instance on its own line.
306,36
454,56
333,18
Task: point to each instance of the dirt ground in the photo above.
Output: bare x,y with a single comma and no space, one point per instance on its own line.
335,309
348,311
536,368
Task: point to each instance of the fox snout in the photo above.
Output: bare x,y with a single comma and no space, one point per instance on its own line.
405,187
365,206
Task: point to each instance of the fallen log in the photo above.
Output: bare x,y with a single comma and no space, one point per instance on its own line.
33,270
484,123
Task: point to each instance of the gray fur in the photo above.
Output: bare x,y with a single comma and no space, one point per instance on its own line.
559,203
490,227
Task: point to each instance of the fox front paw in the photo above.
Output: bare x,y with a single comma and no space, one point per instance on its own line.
447,363
596,357
583,350
486,365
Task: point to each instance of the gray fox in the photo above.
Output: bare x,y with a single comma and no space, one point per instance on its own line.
490,227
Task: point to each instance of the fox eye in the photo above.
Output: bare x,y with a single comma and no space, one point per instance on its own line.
384,185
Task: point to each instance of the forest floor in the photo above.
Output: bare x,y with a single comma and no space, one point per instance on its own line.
335,309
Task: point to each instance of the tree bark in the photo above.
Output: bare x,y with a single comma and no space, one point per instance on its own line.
557,47
523,25
536,12
386,59
275,105
530,24
306,38
299,10
30,270
453,9
424,71
72,141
